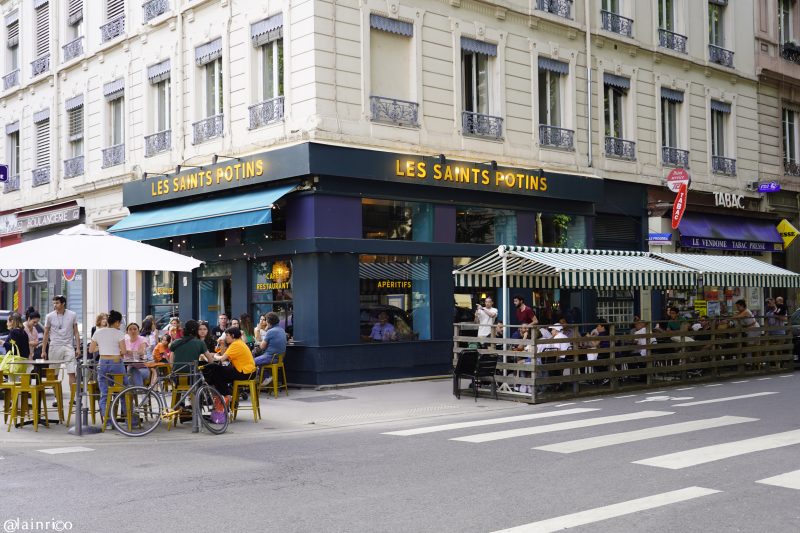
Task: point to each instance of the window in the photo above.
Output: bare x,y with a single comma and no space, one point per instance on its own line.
394,298
397,220
715,35
13,153
271,291
75,131
272,69
612,6
666,17
549,98
162,107
114,9
785,15
790,136
391,74
612,102
74,19
116,126
562,231
163,297
42,44
213,87
42,156
483,225
12,42
669,123
475,76
671,137
717,133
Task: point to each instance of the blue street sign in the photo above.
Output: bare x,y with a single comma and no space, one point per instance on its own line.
3,173
769,186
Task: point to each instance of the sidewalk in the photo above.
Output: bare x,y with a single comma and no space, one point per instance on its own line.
303,410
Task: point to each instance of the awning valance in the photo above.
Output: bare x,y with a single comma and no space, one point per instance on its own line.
478,47
235,211
41,115
553,65
722,107
114,89
159,72
400,27
616,81
267,30
733,271
12,17
74,102
541,267
393,271
206,53
729,233
12,127
672,94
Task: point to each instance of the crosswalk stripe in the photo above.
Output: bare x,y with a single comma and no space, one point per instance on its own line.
598,514
561,426
707,454
591,443
789,480
490,421
726,399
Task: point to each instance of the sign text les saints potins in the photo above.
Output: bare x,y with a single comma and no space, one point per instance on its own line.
470,175
206,178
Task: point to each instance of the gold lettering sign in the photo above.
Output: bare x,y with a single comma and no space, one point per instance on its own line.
391,284
195,181
273,286
470,175
163,291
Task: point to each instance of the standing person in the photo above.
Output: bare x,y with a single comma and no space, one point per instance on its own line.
61,336
17,335
35,332
246,325
135,355
485,315
781,315
222,325
242,365
525,315
274,343
110,342
746,319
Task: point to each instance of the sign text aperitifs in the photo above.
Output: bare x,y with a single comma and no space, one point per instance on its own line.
468,174
206,178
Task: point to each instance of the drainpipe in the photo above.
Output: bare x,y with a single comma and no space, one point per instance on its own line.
587,13
178,89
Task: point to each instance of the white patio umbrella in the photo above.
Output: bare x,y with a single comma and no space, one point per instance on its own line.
83,248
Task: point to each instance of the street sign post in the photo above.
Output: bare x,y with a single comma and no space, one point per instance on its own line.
679,207
676,178
3,173
769,186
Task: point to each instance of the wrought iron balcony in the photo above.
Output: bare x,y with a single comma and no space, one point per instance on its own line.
113,155
266,112
73,48
620,148
556,137
11,79
157,143
723,165
616,23
113,28
478,125
154,8
790,51
41,176
12,184
561,8
394,111
717,54
208,128
675,156
671,40
40,65
791,168
73,167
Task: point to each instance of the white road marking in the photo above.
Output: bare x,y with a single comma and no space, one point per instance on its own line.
655,392
665,399
743,381
763,379
590,401
489,422
686,388
726,399
580,445
71,449
565,404
626,396
561,426
789,480
707,454
787,376
611,511
715,385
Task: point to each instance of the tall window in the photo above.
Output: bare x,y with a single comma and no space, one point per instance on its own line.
42,128
272,69
42,44
483,225
12,42
666,16
475,76
791,136
613,104
785,26
715,35
612,6
116,126
114,8
162,107
549,97
213,87
396,219
75,131
669,123
13,153
74,19
390,51
718,133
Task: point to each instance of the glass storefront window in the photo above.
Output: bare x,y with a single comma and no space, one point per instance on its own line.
38,291
397,220
271,291
561,231
394,298
483,225
163,296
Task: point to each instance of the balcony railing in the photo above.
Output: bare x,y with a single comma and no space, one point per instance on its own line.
73,167
73,48
113,155
208,128
41,176
620,148
478,125
790,51
561,8
556,137
671,40
791,168
266,112
394,111
12,184
723,165
717,54
616,23
154,8
113,28
40,65
157,143
11,79
675,156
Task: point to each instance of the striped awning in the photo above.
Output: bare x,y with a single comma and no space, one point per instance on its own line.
400,27
620,82
733,271
722,107
206,53
672,94
114,89
267,30
478,47
159,72
542,267
553,65
41,115
73,103
394,271
12,17
12,127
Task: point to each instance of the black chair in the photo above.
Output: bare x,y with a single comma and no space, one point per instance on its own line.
486,369
477,367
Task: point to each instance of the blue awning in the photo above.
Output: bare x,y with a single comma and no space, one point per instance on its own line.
214,214
729,233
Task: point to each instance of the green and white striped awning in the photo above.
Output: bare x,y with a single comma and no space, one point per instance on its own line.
733,271
542,267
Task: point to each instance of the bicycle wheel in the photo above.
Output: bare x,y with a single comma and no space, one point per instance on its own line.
139,409
213,412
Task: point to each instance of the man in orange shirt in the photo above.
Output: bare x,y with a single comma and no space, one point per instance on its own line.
242,365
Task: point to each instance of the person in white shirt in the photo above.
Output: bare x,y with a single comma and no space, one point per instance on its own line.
110,342
485,315
640,328
62,341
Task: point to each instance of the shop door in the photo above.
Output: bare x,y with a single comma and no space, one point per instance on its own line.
214,297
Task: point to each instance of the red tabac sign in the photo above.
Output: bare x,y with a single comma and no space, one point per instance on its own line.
679,206
676,178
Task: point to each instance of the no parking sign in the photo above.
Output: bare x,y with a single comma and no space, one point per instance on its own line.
69,273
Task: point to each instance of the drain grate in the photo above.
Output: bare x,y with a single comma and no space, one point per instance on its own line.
325,398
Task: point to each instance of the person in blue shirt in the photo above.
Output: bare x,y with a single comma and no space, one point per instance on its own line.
273,343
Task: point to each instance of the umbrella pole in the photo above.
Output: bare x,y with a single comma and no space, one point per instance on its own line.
82,426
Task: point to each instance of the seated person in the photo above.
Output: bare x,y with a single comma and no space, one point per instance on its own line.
383,331
188,348
241,367
273,343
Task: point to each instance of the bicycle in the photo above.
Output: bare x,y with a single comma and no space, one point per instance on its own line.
146,407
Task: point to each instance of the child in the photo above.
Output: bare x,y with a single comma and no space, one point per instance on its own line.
161,353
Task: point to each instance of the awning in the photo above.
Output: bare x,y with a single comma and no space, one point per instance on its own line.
393,271
541,267
553,65
400,27
734,271
729,233
234,211
671,94
267,30
478,47
620,82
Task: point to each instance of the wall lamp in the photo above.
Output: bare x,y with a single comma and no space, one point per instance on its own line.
146,175
215,158
179,167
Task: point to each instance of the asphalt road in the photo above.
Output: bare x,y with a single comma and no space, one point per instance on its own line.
657,462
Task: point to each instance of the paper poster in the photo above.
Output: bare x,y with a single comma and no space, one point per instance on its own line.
713,308
700,307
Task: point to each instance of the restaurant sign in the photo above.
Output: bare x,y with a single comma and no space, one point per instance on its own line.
729,244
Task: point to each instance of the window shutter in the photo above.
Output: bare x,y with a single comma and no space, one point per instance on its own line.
43,143
13,34
43,30
74,12
114,8
616,228
75,123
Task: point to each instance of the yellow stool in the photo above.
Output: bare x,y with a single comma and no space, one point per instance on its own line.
115,387
51,381
254,404
93,399
19,392
6,387
181,385
274,367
